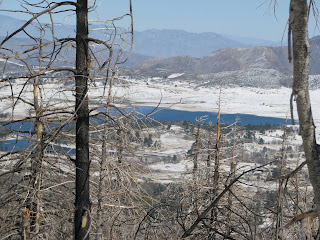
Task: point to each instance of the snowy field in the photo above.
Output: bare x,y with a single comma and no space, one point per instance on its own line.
179,95
260,102
243,100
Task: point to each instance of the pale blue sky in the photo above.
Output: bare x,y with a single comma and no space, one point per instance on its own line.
233,17
246,18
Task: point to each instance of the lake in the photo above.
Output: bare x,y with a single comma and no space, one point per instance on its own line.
164,114
178,115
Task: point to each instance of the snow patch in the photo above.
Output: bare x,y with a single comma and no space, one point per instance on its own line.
175,75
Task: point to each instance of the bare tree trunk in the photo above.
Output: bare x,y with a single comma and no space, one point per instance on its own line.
279,213
299,26
208,166
82,202
216,175
25,226
196,152
217,153
32,211
38,158
103,162
232,176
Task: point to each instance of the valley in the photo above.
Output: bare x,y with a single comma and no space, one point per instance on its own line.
157,173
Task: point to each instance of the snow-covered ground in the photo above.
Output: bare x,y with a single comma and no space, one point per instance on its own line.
172,143
184,96
261,102
187,96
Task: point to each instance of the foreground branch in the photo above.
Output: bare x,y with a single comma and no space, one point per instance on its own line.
214,203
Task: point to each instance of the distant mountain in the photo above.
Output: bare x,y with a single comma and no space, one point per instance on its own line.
9,25
314,60
232,59
21,44
155,43
168,43
193,50
135,58
254,77
250,41
226,59
246,58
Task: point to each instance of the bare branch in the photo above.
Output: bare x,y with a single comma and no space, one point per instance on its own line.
36,16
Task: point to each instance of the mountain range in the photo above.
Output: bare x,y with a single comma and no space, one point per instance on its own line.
169,43
233,59
151,43
173,51
225,59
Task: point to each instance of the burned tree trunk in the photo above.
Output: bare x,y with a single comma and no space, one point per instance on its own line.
82,203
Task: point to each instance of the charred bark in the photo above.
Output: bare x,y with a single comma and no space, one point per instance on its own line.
82,202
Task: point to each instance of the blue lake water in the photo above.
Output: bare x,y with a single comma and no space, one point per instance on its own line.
164,114
24,141
178,115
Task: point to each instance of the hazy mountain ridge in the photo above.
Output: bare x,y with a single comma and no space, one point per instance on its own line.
168,43
261,66
233,59
226,59
253,41
155,42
